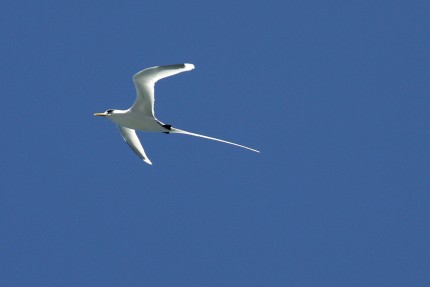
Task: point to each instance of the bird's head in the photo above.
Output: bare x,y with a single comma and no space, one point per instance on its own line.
105,114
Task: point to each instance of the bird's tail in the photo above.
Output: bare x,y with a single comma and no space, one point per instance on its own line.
178,131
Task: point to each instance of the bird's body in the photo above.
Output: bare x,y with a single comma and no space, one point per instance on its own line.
140,116
136,121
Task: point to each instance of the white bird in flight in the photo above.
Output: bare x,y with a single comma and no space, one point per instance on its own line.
140,116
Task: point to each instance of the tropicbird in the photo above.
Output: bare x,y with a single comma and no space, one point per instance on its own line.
140,116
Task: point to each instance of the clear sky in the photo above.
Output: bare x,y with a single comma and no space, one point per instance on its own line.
334,93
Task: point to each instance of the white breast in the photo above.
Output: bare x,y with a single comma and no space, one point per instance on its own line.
136,121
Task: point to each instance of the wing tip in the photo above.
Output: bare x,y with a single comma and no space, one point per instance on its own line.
189,66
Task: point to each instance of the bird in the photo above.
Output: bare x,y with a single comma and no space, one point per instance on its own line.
141,117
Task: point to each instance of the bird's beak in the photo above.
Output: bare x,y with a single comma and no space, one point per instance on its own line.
100,114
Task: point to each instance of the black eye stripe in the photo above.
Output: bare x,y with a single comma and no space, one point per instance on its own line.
109,111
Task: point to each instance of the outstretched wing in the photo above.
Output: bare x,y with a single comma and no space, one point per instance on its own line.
130,137
144,82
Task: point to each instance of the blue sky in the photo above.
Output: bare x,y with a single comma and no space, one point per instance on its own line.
334,93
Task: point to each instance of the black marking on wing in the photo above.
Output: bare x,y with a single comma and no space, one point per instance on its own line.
174,66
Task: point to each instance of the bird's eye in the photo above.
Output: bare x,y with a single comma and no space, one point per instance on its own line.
109,112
